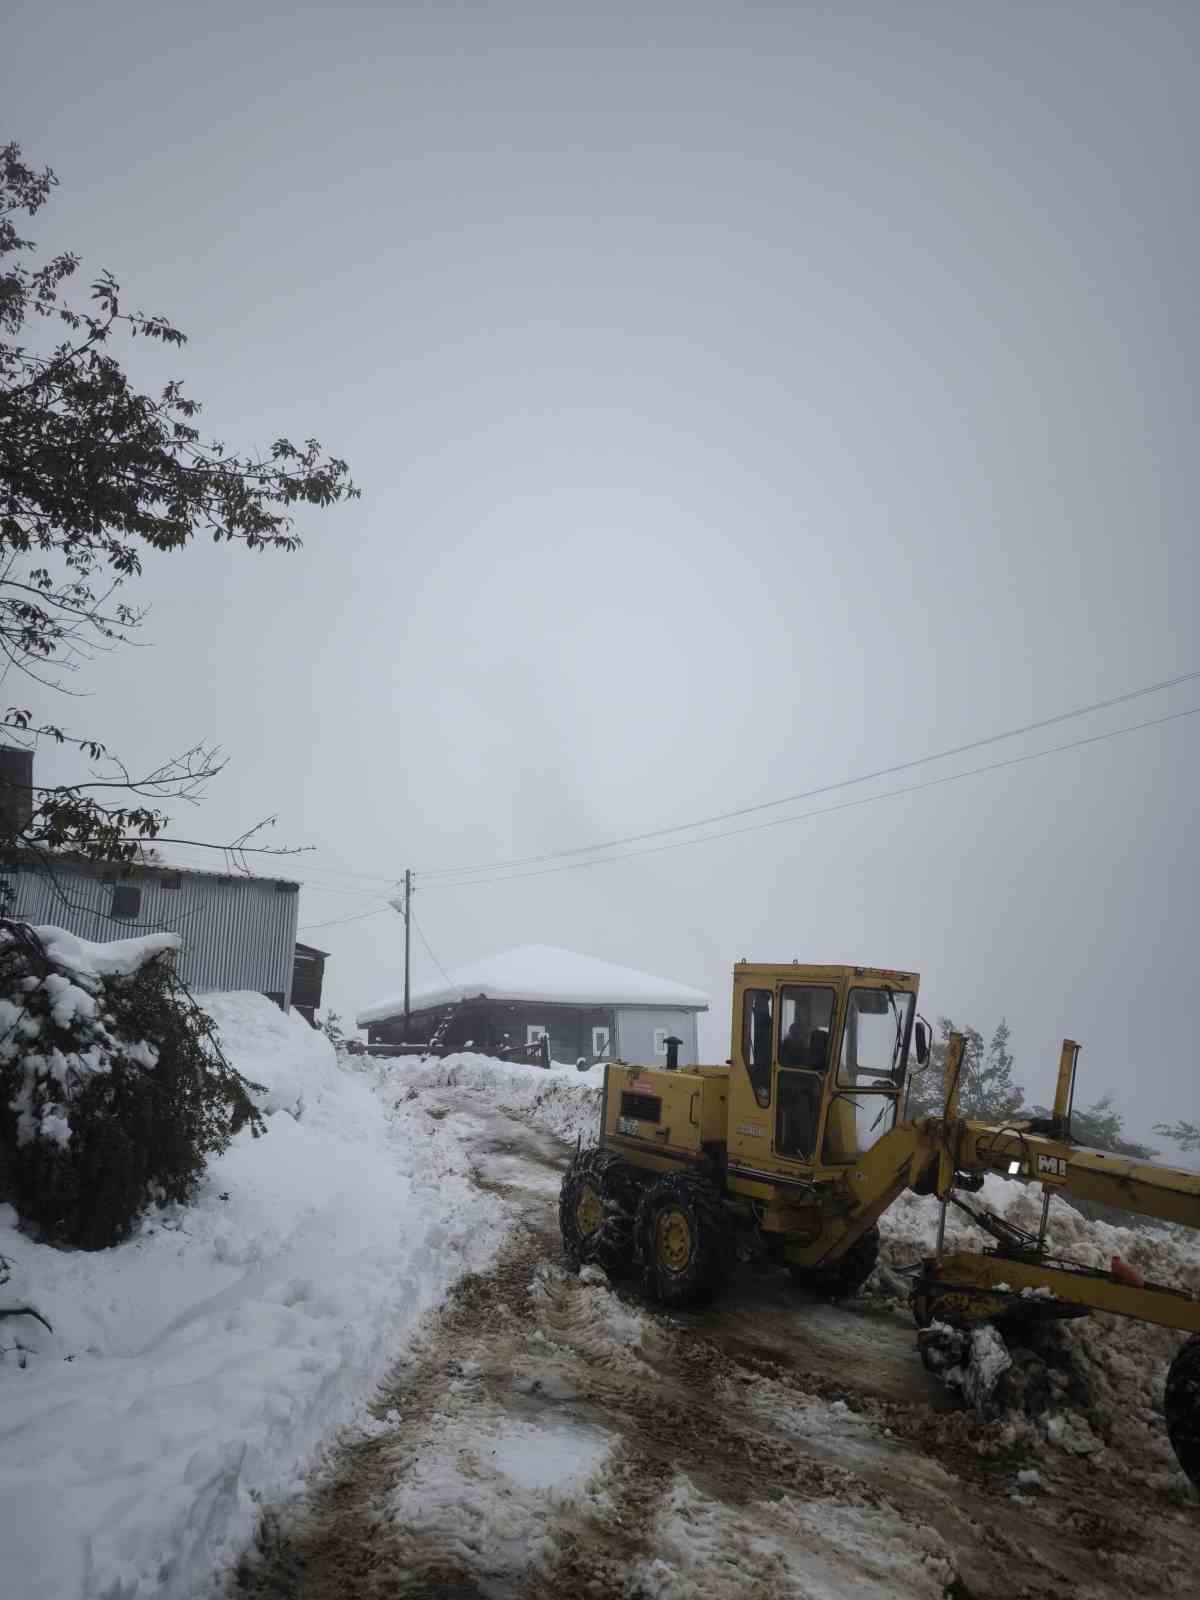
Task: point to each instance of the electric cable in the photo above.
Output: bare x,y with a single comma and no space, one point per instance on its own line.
827,788
429,950
822,811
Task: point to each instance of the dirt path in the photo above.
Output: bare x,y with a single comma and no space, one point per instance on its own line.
551,1437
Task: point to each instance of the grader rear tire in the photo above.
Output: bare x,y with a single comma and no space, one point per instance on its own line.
682,1241
596,1208
1182,1407
846,1275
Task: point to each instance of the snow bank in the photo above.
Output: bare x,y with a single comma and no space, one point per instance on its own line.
560,1099
291,1060
193,1371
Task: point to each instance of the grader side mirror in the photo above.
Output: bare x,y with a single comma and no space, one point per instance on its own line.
921,1034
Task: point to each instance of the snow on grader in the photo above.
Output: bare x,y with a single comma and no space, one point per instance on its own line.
793,1150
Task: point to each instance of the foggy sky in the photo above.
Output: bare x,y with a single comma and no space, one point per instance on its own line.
744,398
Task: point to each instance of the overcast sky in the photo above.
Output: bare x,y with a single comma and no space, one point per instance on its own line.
744,398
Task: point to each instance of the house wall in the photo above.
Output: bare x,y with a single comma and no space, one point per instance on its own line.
238,933
636,1027
484,1023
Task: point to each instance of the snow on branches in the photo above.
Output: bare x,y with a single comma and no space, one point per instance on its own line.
113,1087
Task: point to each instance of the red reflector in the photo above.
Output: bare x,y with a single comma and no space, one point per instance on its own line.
1124,1273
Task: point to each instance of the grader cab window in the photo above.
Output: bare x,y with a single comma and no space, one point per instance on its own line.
875,1043
757,1038
805,1025
805,1030
874,1051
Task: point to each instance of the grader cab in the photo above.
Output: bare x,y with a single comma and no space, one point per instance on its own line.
793,1149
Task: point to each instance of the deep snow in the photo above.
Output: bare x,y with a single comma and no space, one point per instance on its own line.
194,1371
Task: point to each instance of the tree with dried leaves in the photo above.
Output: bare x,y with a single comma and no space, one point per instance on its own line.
92,473
985,1089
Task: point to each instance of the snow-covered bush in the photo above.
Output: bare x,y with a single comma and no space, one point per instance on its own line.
113,1087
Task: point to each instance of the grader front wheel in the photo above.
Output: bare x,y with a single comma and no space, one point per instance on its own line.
682,1241
596,1207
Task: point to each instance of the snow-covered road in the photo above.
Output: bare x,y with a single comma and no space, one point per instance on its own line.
547,1435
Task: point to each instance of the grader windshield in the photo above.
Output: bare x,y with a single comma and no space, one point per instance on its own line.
870,1071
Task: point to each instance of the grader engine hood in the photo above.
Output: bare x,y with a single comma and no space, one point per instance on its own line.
671,1114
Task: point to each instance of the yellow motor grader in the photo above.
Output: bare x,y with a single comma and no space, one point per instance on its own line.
795,1148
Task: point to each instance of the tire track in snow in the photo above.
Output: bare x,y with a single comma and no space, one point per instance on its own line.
547,1438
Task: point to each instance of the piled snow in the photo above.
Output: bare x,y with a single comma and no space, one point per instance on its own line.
47,1078
193,1371
288,1058
116,959
543,972
560,1099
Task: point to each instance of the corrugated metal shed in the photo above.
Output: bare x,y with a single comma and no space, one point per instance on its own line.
238,933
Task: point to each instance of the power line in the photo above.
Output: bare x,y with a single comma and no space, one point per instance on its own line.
438,873
432,957
311,927
824,811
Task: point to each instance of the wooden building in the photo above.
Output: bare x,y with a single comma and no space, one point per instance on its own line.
589,1009
308,977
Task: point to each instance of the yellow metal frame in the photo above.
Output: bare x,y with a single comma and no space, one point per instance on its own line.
709,1117
993,1285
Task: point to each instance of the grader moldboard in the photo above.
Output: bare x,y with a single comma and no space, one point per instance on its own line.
793,1150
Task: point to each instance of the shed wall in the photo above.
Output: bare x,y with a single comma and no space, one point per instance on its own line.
238,933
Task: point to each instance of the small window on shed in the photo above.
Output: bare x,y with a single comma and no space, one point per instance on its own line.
126,901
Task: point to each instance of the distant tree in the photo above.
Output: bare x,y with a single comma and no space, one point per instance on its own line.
1102,1127
92,474
331,1027
1185,1134
986,1088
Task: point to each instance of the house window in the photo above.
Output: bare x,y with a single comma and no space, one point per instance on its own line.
126,901
601,1041
661,1035
535,1033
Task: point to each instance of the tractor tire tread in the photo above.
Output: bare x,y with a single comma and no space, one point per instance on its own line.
711,1260
617,1185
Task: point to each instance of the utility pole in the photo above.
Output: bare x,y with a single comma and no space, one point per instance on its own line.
407,940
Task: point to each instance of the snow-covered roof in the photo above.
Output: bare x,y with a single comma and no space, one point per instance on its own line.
543,972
